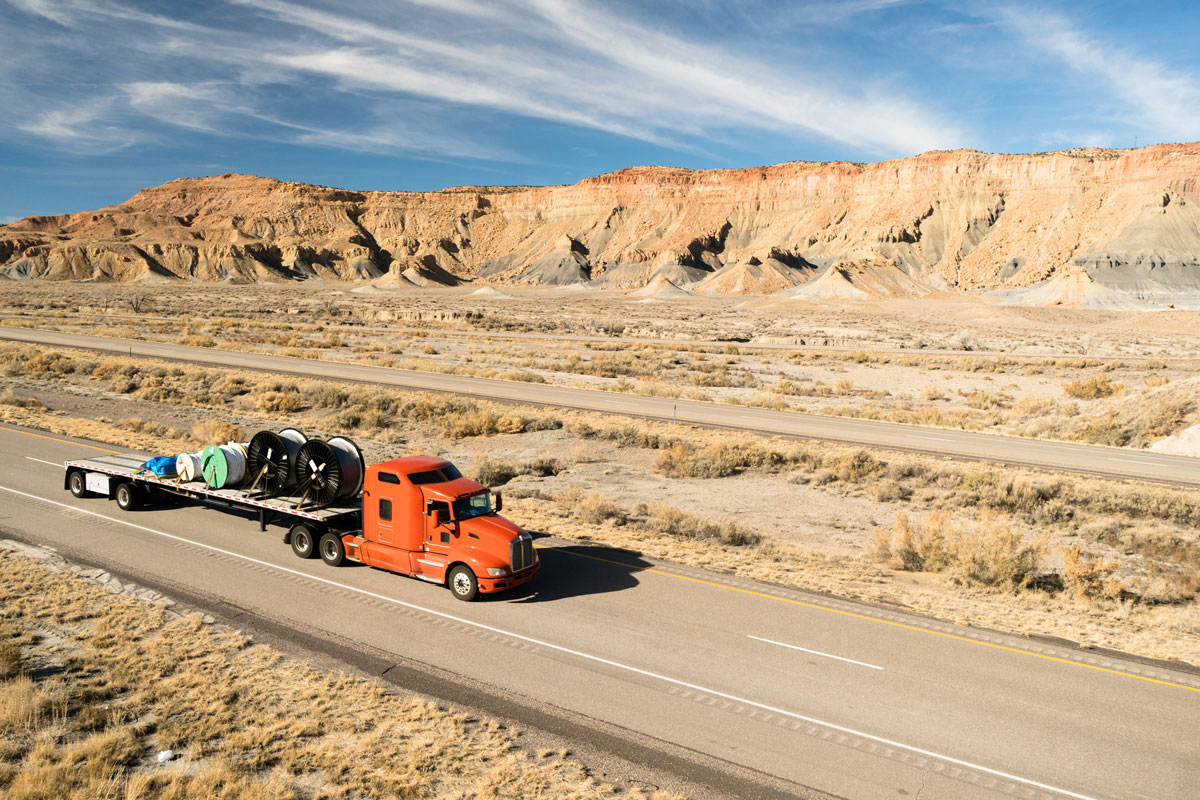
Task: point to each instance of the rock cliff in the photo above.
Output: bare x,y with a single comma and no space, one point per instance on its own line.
937,222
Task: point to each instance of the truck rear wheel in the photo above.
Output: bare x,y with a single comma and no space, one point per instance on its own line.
128,497
333,552
304,541
462,583
77,484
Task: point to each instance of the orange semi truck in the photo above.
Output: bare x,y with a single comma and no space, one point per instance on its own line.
417,516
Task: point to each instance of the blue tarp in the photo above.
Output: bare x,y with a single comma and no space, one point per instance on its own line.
161,466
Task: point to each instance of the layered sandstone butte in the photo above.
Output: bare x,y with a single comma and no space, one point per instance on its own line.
947,221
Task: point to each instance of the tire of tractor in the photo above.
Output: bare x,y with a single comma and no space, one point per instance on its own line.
128,497
77,484
304,540
333,552
462,583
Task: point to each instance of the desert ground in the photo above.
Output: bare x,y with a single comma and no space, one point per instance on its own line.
1105,377
1100,562
109,690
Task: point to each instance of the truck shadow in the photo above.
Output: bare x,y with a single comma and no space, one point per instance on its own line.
577,569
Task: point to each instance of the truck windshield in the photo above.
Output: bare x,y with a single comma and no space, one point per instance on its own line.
473,506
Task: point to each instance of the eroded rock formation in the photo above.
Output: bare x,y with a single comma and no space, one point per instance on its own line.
941,221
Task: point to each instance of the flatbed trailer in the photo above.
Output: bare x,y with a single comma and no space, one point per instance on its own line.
415,516
105,475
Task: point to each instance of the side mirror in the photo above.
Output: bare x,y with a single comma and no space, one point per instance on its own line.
499,502
439,516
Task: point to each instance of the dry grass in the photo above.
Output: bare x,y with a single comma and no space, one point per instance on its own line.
590,507
214,431
497,472
1092,388
986,552
724,458
246,723
662,518
1089,577
654,519
9,399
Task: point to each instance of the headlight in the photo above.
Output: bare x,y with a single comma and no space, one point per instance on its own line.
496,571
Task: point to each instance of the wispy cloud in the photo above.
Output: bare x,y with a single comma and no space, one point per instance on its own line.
1153,94
836,12
199,106
576,63
88,127
702,83
570,62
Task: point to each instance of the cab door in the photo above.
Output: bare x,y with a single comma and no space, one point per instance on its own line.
436,556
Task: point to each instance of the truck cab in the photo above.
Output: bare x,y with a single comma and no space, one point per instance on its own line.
422,518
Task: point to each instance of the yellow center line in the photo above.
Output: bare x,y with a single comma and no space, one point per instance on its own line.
56,439
870,618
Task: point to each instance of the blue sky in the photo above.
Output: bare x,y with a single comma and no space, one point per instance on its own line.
103,97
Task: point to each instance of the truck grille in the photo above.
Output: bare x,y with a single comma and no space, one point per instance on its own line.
520,553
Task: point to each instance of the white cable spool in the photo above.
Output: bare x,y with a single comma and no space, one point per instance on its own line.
292,439
235,459
187,467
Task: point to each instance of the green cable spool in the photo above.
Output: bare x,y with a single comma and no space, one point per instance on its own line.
223,466
214,467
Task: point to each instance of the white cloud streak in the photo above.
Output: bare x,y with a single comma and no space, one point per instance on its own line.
584,66
565,61
724,88
86,127
1163,98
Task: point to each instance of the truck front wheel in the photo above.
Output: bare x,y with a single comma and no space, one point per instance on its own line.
304,541
128,497
77,484
462,583
333,552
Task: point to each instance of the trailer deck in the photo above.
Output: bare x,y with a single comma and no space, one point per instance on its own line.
127,466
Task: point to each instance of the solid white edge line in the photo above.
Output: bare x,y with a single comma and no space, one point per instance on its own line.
58,464
577,653
814,652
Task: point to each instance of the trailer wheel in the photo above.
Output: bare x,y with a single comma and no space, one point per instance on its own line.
77,484
304,541
462,583
128,497
333,552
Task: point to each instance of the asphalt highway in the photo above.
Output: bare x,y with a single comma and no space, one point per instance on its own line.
1068,457
812,694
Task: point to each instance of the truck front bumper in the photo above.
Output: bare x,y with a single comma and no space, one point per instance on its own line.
500,584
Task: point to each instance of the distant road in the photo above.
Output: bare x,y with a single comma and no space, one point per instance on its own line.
1107,461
